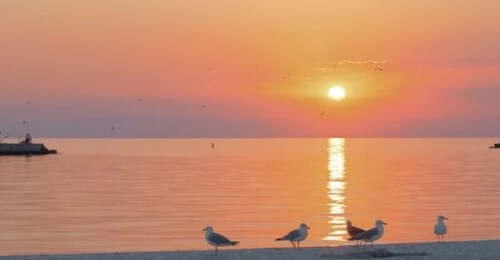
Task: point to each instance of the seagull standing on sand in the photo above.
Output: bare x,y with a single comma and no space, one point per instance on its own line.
440,228
353,231
373,234
217,240
296,235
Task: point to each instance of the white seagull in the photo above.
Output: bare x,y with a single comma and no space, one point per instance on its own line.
296,235
373,234
217,240
440,228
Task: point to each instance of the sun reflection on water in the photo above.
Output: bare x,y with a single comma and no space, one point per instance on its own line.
336,188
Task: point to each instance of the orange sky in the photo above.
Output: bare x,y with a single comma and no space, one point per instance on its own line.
258,68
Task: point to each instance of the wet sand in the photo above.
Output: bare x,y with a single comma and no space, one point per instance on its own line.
487,249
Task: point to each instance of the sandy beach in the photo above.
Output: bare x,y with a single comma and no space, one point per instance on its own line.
487,249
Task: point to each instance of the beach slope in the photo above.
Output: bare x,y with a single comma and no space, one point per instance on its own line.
487,249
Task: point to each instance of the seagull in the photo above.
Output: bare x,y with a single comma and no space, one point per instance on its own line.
353,231
371,234
296,235
112,128
440,228
217,240
213,145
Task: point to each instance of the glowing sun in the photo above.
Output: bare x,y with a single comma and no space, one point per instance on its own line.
337,93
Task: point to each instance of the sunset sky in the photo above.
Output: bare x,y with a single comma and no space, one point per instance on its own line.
226,68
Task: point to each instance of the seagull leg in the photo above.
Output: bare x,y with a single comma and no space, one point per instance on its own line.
298,245
292,244
215,250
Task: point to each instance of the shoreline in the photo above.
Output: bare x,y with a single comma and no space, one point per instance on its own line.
480,249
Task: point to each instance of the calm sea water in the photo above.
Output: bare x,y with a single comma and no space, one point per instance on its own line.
109,195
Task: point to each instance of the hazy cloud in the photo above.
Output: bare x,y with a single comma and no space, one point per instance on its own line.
336,64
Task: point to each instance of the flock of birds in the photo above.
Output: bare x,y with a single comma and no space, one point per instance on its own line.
298,235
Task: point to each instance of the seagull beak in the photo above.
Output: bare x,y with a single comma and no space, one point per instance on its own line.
308,227
445,218
384,223
204,229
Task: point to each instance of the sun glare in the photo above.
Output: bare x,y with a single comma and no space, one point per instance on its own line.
336,93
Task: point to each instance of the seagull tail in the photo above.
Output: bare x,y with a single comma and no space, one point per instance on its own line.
234,243
279,239
353,238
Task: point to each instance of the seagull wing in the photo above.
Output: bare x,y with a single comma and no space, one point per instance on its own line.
219,239
292,235
366,235
354,231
